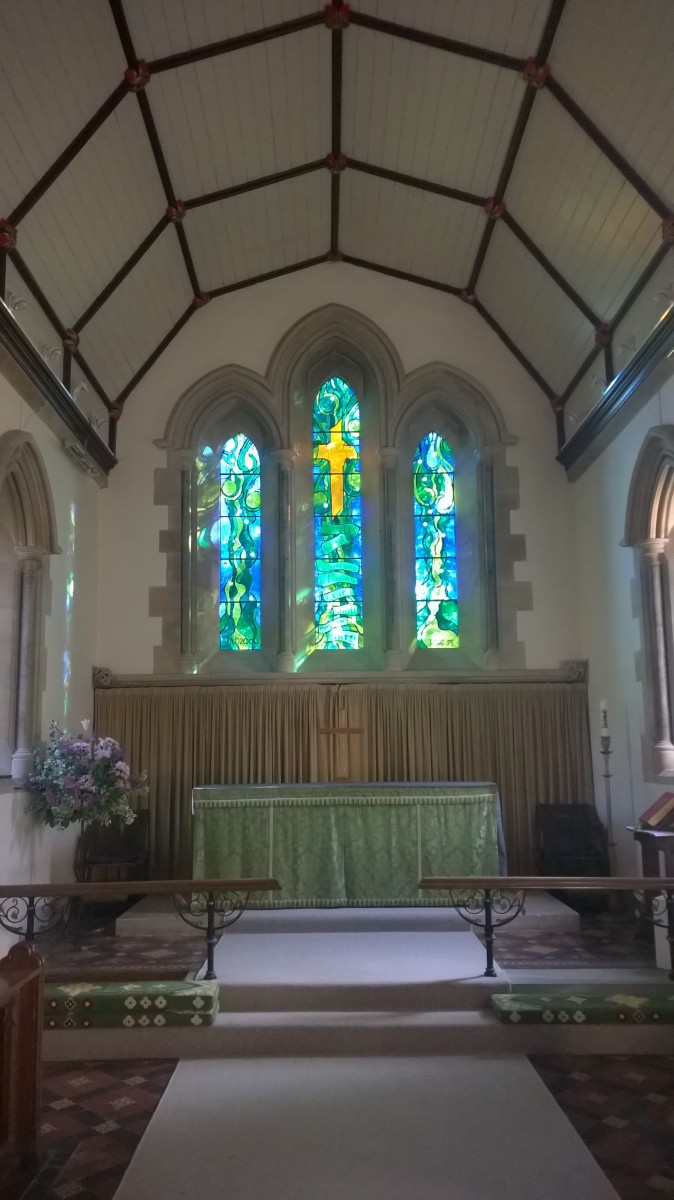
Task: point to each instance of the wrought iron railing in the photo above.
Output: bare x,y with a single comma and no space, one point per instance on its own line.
491,901
487,902
207,905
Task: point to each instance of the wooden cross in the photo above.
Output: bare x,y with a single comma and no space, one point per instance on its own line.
336,732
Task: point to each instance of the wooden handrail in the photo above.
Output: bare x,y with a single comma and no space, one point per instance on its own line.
147,887
546,883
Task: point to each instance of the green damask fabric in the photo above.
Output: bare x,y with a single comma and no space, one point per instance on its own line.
646,1006
129,1005
346,844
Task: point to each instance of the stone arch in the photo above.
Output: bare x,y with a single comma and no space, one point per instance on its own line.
458,397
436,397
27,513
335,330
649,530
23,476
229,400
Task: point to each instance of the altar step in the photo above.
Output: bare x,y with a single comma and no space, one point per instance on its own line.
297,1034
155,916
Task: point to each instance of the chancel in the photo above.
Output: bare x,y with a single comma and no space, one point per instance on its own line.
337,495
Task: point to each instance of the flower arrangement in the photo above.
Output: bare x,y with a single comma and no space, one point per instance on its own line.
82,779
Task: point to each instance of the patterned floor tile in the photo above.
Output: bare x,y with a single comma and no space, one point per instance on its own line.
93,1117
623,1108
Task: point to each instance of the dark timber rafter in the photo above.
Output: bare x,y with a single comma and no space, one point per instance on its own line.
34,287
544,47
337,16
184,317
336,138
151,129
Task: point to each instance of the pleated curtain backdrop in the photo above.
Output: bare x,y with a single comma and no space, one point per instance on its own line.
532,740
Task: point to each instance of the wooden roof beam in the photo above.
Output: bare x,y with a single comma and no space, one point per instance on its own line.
544,47
139,76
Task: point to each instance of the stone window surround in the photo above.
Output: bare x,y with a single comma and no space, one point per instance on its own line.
24,479
649,525
273,411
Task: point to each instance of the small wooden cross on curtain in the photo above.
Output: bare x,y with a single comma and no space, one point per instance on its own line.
339,735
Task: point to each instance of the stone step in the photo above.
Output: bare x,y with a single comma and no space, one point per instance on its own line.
295,1034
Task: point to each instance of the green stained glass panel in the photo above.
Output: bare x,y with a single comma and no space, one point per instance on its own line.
238,531
436,585
338,584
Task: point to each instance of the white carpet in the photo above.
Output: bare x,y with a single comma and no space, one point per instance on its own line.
311,972
468,1128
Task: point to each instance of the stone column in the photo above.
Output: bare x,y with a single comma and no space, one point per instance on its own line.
653,567
285,660
388,457
30,567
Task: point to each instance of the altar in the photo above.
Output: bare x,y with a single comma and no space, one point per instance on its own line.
347,844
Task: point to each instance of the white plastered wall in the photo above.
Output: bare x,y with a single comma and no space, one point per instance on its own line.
609,593
30,852
243,329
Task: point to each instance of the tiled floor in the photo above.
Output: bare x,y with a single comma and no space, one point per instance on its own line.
175,956
623,1108
602,940
94,1114
93,1117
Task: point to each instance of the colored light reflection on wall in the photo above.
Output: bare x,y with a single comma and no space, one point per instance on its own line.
70,592
435,544
338,582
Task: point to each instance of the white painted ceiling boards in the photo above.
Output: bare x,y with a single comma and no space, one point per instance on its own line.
516,154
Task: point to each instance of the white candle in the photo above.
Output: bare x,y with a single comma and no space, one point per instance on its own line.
604,730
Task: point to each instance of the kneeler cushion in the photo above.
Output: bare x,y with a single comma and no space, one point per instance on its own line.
129,1005
645,1006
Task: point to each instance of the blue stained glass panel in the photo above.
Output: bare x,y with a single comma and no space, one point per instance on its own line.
239,530
338,584
436,586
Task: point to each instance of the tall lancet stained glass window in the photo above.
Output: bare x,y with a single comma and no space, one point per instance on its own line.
338,579
230,519
435,544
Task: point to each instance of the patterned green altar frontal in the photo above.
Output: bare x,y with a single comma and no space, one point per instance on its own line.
346,844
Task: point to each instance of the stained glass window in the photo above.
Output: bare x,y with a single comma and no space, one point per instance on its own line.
229,519
435,544
338,583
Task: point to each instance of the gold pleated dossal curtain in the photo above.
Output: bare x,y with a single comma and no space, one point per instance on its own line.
532,740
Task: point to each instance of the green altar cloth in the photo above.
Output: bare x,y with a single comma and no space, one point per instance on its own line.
333,844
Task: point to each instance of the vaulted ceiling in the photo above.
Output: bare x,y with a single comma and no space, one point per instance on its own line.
158,153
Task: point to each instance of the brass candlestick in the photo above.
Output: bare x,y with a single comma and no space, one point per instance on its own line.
606,754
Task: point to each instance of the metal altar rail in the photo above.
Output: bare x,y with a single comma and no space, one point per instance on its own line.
207,905
487,902
491,901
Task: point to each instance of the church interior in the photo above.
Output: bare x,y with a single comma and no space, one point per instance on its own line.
337,575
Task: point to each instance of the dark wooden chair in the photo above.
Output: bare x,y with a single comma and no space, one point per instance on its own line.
116,848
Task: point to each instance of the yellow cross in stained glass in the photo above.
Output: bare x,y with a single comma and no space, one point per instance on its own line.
336,451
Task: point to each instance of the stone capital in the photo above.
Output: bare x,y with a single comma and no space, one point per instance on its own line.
285,458
653,549
30,557
389,457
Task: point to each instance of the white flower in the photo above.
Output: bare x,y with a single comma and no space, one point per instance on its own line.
85,724
159,1020
129,1002
128,1021
160,1002
144,1020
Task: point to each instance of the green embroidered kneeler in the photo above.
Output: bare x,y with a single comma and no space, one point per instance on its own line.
130,1005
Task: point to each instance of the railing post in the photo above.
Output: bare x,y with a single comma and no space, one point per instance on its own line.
211,939
670,931
489,934
30,920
